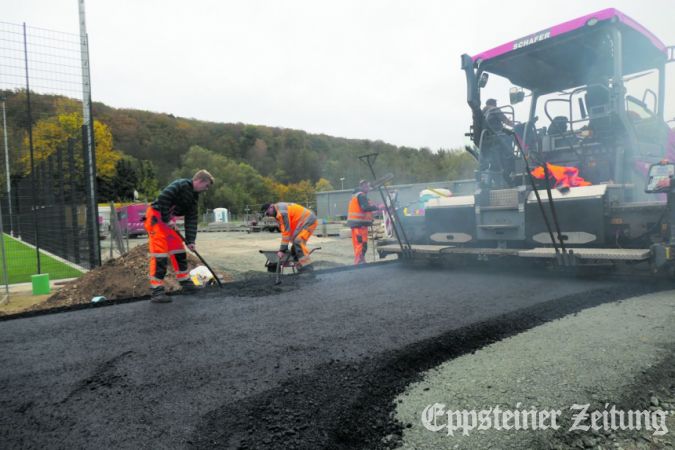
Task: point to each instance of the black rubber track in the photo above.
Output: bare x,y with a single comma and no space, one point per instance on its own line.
314,363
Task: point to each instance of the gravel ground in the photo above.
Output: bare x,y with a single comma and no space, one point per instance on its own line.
313,363
601,356
236,253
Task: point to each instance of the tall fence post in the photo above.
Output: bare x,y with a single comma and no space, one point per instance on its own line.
32,157
91,220
5,298
7,171
60,181
73,199
88,121
19,208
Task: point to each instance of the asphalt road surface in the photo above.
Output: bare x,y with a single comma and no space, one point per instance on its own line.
314,363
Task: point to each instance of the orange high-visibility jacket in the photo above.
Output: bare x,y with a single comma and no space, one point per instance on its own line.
564,177
292,218
356,216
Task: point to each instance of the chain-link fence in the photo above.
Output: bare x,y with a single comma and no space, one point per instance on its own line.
47,194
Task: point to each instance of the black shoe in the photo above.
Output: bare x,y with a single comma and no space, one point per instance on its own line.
188,287
158,295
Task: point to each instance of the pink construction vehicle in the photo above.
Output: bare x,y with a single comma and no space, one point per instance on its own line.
587,96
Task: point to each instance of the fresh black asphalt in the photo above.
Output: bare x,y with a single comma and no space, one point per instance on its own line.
311,364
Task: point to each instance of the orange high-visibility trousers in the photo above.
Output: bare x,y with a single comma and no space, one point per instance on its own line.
300,242
360,243
164,245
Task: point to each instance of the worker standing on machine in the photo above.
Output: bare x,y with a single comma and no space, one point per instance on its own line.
359,218
297,225
498,147
495,117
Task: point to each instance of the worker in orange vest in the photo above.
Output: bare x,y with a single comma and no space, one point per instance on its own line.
177,199
359,218
297,225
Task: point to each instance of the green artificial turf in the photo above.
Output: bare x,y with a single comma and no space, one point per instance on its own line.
22,263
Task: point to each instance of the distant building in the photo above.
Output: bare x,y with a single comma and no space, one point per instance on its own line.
333,204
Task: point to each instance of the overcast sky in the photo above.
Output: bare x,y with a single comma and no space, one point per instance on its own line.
371,69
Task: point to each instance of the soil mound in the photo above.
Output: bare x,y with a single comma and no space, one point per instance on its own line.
118,278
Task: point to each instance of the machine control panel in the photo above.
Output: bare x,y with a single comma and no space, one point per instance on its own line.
660,177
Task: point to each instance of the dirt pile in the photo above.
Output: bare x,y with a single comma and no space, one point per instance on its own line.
123,277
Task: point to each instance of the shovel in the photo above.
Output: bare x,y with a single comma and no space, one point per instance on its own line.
277,281
201,259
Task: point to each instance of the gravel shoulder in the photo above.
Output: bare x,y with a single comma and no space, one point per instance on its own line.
613,354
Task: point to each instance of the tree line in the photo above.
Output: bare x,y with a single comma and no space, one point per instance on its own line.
142,151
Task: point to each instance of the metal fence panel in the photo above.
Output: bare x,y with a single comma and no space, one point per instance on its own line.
45,195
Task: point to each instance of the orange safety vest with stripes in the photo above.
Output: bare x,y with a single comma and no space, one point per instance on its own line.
292,219
357,217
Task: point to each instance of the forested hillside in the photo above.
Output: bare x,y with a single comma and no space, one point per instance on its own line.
252,163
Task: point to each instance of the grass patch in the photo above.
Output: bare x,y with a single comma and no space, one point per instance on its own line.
22,263
21,301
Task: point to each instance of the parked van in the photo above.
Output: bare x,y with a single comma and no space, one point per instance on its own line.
130,221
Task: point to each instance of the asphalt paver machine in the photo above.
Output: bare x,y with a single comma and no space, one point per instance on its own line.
586,111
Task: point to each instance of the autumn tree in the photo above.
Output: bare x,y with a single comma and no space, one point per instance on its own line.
261,163
323,185
302,192
54,132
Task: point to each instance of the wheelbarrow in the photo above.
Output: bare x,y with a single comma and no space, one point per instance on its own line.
276,265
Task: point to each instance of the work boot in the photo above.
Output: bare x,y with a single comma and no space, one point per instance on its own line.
188,287
158,295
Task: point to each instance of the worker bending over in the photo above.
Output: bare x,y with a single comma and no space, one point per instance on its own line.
297,224
177,199
359,218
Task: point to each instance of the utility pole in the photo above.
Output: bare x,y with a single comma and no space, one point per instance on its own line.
9,180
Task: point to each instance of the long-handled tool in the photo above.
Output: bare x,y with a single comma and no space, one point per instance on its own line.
201,259
390,208
272,258
280,264
381,181
372,242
